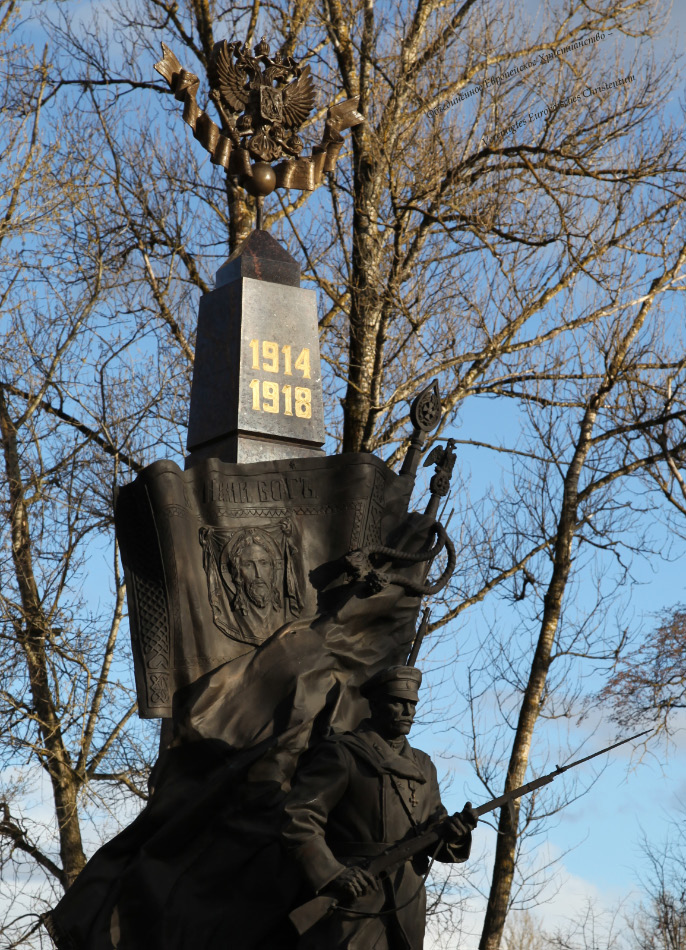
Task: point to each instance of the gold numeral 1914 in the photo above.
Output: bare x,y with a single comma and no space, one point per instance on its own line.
271,358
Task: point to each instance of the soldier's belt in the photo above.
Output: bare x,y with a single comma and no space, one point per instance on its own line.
359,849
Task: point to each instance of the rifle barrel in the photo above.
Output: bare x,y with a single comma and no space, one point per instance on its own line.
563,768
515,793
546,779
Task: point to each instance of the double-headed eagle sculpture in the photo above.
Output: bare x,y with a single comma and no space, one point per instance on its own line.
262,101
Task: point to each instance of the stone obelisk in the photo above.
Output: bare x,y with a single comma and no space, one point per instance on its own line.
257,391
256,394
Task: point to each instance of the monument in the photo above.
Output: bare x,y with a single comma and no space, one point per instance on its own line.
268,584
273,598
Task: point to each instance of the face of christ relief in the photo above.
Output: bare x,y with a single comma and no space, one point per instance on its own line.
255,570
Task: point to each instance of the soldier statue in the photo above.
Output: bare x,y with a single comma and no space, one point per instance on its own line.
357,794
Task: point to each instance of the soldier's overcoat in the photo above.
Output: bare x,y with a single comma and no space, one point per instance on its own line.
350,800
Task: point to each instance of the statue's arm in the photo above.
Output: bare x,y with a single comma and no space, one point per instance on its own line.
317,788
449,852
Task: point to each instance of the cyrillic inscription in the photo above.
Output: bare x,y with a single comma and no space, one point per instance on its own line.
277,488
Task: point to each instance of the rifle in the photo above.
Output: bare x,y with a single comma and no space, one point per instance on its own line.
421,633
310,913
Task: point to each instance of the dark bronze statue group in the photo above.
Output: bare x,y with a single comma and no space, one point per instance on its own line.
279,599
273,599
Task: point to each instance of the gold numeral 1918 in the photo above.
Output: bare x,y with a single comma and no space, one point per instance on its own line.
303,403
299,397
270,396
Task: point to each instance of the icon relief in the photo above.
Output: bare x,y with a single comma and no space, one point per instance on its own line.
254,579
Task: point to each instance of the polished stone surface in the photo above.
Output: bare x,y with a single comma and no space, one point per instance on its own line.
261,257
257,369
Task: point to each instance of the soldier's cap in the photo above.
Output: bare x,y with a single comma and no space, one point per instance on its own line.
402,682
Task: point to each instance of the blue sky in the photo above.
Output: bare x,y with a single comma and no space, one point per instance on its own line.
598,837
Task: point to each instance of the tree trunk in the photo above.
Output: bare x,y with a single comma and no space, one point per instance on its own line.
506,845
32,634
365,307
504,864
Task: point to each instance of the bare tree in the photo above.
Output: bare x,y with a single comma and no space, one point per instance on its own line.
649,681
660,921
65,710
536,267
433,260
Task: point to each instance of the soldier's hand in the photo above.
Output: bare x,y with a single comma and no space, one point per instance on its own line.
469,817
457,827
352,883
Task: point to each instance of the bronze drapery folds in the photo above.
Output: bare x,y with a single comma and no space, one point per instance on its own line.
193,868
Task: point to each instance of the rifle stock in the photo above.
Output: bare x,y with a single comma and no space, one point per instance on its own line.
309,914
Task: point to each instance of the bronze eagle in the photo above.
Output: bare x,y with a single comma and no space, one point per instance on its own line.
258,86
